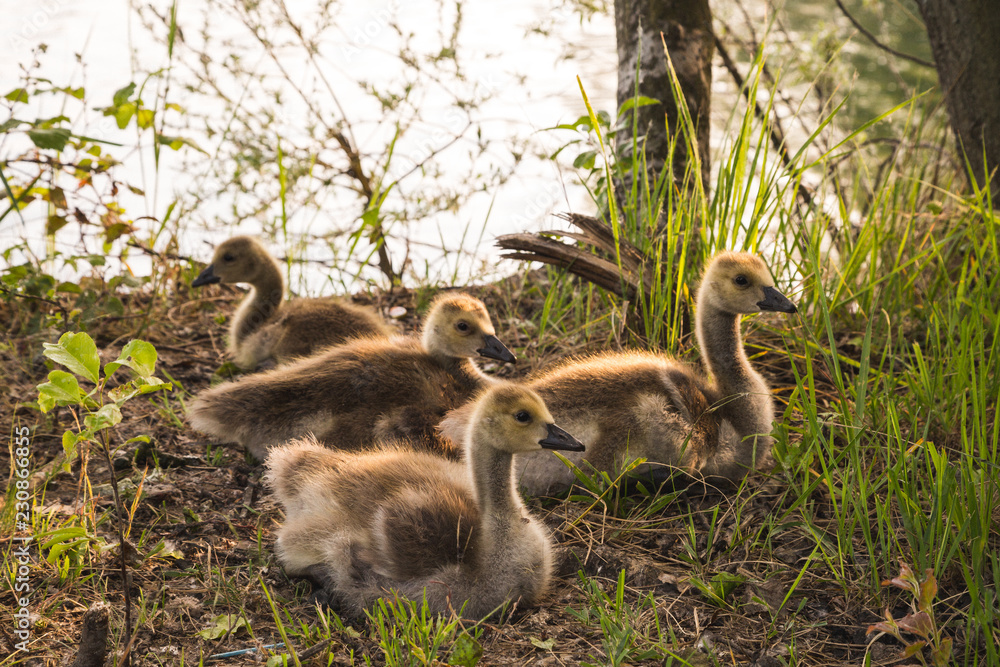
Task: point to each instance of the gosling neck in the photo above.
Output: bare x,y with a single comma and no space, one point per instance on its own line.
499,505
722,349
267,292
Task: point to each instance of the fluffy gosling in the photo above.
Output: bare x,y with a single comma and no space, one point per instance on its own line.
362,524
265,327
363,391
629,405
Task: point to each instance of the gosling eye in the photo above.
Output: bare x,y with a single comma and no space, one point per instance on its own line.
741,280
228,257
463,327
522,416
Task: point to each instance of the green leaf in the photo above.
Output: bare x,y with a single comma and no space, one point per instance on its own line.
585,160
78,93
138,355
60,535
55,223
17,95
724,583
223,625
69,441
928,590
941,654
123,392
77,352
54,138
152,384
370,217
69,288
144,118
546,645
62,388
10,124
177,143
122,94
466,651
123,114
108,416
641,101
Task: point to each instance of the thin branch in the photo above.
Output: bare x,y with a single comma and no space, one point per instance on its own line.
774,130
874,40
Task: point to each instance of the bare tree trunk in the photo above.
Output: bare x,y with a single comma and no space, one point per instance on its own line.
965,41
687,27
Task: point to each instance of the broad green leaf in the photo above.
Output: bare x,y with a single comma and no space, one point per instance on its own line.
122,94
54,138
62,388
223,625
138,355
64,535
466,651
144,118
77,352
17,95
123,114
108,416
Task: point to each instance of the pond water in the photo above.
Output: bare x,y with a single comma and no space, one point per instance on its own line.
528,53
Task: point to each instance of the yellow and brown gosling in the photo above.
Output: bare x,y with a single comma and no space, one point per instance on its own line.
265,327
635,404
362,524
363,391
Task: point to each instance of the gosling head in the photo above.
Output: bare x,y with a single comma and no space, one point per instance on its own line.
459,326
241,259
514,419
739,282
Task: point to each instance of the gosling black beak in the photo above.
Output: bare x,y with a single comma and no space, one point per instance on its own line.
206,277
775,300
494,349
557,438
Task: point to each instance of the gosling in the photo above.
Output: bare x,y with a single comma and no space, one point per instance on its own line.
635,404
265,328
362,391
362,524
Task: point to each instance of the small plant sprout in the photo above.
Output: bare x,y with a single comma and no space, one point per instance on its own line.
920,621
101,411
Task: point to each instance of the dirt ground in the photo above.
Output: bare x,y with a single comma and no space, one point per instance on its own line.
205,504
